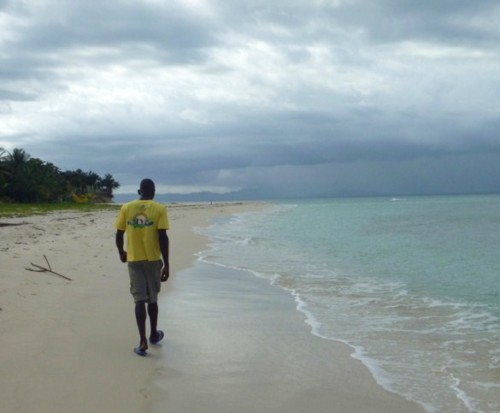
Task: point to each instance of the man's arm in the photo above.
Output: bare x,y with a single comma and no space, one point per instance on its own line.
164,247
119,245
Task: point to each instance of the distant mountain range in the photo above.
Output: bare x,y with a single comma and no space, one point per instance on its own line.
193,197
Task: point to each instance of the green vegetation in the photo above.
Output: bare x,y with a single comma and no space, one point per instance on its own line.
11,210
24,179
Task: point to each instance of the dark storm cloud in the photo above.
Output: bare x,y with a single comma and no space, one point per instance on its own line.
49,39
282,97
448,21
102,24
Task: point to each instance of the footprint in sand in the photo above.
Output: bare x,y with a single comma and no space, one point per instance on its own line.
144,392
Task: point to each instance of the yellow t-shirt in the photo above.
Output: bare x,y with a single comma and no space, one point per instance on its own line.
141,221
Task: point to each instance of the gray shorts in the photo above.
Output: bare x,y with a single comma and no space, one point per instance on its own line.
145,280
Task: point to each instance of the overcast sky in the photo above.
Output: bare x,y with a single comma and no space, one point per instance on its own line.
273,97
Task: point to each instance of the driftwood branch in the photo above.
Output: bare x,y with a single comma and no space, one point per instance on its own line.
39,268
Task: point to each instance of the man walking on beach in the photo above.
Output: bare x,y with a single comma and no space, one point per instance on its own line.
146,223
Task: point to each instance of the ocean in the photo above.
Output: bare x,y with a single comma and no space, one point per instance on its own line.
411,284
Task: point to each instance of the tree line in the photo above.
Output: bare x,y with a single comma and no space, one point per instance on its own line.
25,179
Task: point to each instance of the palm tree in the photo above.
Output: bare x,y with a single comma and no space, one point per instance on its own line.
19,185
26,179
18,158
107,185
3,169
3,159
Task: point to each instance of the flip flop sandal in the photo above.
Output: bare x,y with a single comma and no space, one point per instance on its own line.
159,337
139,351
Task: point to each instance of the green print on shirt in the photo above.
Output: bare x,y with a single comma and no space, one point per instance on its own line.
140,221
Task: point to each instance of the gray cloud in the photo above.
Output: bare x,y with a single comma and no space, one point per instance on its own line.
274,98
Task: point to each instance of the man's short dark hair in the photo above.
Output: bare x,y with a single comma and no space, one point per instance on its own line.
147,186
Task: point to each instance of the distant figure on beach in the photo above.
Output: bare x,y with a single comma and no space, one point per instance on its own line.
146,223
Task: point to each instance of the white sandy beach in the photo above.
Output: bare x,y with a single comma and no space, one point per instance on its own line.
234,343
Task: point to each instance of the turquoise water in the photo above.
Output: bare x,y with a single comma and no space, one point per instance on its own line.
411,284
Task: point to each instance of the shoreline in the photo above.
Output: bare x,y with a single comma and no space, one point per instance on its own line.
246,348
68,344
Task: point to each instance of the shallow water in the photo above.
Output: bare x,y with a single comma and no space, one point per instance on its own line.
411,284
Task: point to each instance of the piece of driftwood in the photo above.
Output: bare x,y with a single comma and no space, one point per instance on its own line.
49,269
11,224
